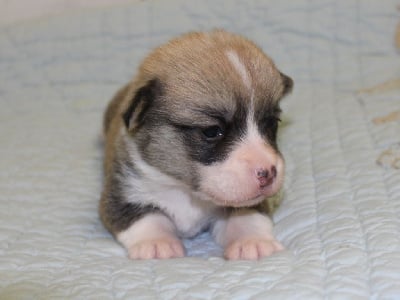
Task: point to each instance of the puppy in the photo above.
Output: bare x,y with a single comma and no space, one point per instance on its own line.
191,145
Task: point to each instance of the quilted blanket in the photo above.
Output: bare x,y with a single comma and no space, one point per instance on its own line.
339,218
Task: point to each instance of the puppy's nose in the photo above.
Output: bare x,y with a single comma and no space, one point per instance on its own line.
266,177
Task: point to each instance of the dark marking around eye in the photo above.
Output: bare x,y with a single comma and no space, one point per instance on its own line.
213,143
213,133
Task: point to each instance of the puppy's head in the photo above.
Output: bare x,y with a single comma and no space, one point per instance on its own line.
206,110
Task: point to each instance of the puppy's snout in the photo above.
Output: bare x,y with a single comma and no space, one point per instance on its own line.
265,176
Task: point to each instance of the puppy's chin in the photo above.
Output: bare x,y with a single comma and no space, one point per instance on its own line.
243,202
238,204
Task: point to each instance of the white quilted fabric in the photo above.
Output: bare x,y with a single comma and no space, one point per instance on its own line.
339,219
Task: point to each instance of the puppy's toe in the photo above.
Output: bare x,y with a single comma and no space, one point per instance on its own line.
157,249
252,249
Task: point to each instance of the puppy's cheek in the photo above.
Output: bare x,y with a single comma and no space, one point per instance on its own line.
225,186
237,181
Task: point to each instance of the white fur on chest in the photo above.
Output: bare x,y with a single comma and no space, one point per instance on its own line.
189,214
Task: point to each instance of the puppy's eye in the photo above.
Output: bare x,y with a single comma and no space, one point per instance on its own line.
213,132
270,124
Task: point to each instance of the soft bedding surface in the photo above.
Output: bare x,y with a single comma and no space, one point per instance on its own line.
340,215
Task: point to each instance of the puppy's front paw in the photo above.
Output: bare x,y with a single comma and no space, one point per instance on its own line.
252,249
159,248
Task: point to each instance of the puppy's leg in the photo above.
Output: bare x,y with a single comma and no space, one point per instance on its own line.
153,236
246,234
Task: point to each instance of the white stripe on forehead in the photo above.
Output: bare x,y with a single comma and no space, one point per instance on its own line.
252,130
239,67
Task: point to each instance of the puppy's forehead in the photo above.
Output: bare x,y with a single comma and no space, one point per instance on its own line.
214,69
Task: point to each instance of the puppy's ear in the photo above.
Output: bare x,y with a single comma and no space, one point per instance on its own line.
287,84
135,114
